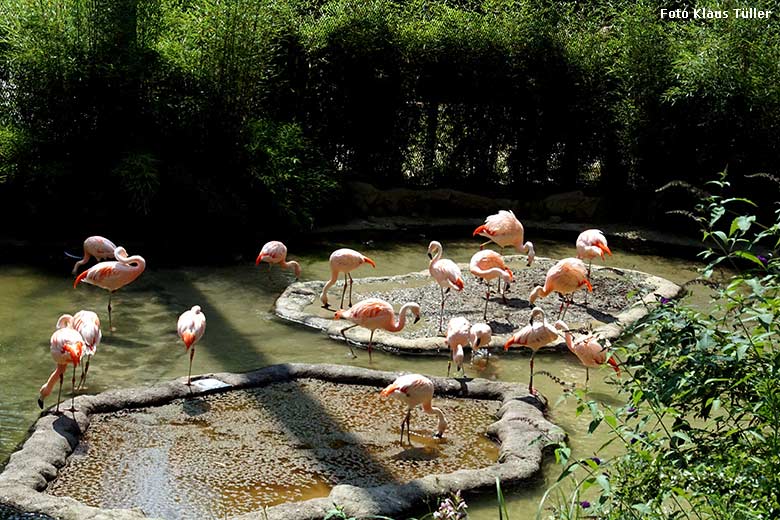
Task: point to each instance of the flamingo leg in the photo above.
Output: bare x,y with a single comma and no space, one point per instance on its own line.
343,291
587,377
189,372
370,342
84,370
59,394
567,301
110,327
73,391
531,382
346,340
482,246
350,289
441,312
404,422
586,292
449,364
487,299
409,427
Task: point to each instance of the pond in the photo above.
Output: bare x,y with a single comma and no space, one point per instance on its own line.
243,334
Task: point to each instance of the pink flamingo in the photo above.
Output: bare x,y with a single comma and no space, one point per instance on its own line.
191,326
275,252
414,389
590,244
589,351
343,261
488,264
114,275
372,314
97,246
480,335
67,347
535,335
458,335
504,229
87,324
446,273
565,277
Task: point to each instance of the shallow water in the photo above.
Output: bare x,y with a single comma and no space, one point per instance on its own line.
243,334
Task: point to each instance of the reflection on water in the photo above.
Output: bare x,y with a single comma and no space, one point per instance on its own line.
243,334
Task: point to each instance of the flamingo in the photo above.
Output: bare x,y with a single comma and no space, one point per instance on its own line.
458,334
504,229
67,347
372,314
191,326
535,335
114,275
343,261
87,324
589,351
275,252
565,277
97,246
480,335
488,264
590,244
414,389
446,273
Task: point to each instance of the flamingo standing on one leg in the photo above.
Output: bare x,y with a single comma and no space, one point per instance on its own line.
343,261
372,314
480,335
589,351
67,347
590,244
565,277
414,389
535,335
97,246
458,334
191,326
446,273
504,229
487,265
275,252
87,324
114,275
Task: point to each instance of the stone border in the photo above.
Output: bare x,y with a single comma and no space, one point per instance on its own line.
292,303
520,425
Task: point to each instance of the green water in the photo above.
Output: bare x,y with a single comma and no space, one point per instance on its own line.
243,334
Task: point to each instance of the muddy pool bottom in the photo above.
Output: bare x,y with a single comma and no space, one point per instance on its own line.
222,455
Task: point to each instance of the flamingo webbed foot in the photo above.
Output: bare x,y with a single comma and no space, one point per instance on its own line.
438,435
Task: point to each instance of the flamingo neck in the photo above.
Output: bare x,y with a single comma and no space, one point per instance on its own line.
569,341
538,292
493,272
442,426
439,252
53,378
292,263
400,321
130,260
529,247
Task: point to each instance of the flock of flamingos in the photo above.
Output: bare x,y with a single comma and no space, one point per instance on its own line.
77,337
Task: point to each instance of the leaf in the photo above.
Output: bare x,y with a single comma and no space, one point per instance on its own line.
604,483
748,256
742,223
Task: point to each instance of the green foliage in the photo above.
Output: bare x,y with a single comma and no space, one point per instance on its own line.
699,430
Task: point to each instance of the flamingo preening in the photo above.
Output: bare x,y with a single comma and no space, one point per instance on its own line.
67,347
592,243
97,246
343,261
504,229
87,324
413,390
275,252
565,277
535,335
372,314
113,275
487,265
589,351
191,326
446,273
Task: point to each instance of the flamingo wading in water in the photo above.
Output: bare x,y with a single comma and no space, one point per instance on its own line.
191,326
87,324
114,275
343,261
590,244
97,246
372,314
67,347
565,277
413,390
589,351
275,252
446,273
504,229
458,335
487,265
535,335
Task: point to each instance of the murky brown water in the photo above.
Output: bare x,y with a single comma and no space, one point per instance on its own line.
242,334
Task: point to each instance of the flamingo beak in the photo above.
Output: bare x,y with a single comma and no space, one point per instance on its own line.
476,345
40,403
259,259
417,318
430,255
